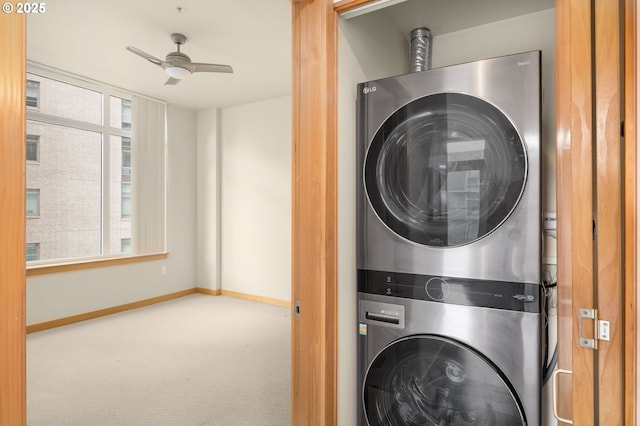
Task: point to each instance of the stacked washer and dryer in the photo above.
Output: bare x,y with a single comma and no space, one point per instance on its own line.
449,246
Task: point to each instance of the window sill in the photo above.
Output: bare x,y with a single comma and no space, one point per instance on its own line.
91,264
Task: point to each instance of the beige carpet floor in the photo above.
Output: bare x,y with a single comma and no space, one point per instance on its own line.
197,360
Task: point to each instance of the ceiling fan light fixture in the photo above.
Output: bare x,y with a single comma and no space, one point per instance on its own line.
177,72
177,64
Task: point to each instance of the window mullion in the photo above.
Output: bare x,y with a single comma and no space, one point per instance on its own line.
62,121
106,174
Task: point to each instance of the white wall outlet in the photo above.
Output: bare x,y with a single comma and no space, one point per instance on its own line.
163,270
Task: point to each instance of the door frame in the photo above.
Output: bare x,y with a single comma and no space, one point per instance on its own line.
12,226
573,123
314,359
630,208
324,367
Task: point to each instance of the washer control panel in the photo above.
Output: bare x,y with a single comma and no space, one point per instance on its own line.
524,297
437,288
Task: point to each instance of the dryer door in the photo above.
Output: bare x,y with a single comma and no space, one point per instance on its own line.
445,170
433,381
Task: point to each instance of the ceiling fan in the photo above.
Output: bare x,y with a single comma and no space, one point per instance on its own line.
178,65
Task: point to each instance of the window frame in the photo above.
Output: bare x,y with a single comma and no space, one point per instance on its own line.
107,132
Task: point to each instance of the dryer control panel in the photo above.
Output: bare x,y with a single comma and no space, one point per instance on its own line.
523,297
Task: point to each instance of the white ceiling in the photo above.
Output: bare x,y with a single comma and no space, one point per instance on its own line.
446,16
89,38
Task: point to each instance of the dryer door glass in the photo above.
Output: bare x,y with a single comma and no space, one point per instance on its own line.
445,170
434,381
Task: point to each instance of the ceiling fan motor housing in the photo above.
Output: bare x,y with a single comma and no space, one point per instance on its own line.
176,58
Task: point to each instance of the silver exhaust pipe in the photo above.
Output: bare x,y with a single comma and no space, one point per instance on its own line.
421,44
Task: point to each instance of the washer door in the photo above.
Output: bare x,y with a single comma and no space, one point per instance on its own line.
445,170
433,381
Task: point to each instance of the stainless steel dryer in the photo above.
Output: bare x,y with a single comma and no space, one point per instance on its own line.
454,353
449,171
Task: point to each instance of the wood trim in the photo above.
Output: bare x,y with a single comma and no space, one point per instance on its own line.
575,201
12,225
314,213
255,298
94,263
630,212
147,302
208,291
608,174
107,311
563,200
351,4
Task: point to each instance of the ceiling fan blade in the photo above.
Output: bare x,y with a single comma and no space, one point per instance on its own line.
172,81
211,68
145,55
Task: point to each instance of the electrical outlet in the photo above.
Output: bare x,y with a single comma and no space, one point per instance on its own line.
163,270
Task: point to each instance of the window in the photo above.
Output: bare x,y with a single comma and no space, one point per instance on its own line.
125,245
33,93
126,201
126,159
33,202
121,112
33,147
126,114
82,138
33,251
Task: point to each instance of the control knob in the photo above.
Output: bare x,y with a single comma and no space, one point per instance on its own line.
437,288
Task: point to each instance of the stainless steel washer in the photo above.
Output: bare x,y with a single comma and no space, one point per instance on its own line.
448,351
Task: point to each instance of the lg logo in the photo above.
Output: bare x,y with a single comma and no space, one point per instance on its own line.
368,90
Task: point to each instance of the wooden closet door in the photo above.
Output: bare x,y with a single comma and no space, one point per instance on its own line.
574,204
608,208
592,250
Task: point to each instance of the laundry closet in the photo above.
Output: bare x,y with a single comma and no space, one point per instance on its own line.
374,44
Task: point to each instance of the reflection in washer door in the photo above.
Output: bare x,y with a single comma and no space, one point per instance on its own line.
445,170
430,380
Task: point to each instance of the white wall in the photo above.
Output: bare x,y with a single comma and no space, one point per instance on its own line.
208,166
64,294
255,235
251,145
367,50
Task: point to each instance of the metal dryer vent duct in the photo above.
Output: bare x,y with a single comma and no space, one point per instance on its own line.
421,43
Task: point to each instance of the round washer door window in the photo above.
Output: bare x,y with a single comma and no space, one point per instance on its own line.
433,381
445,170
